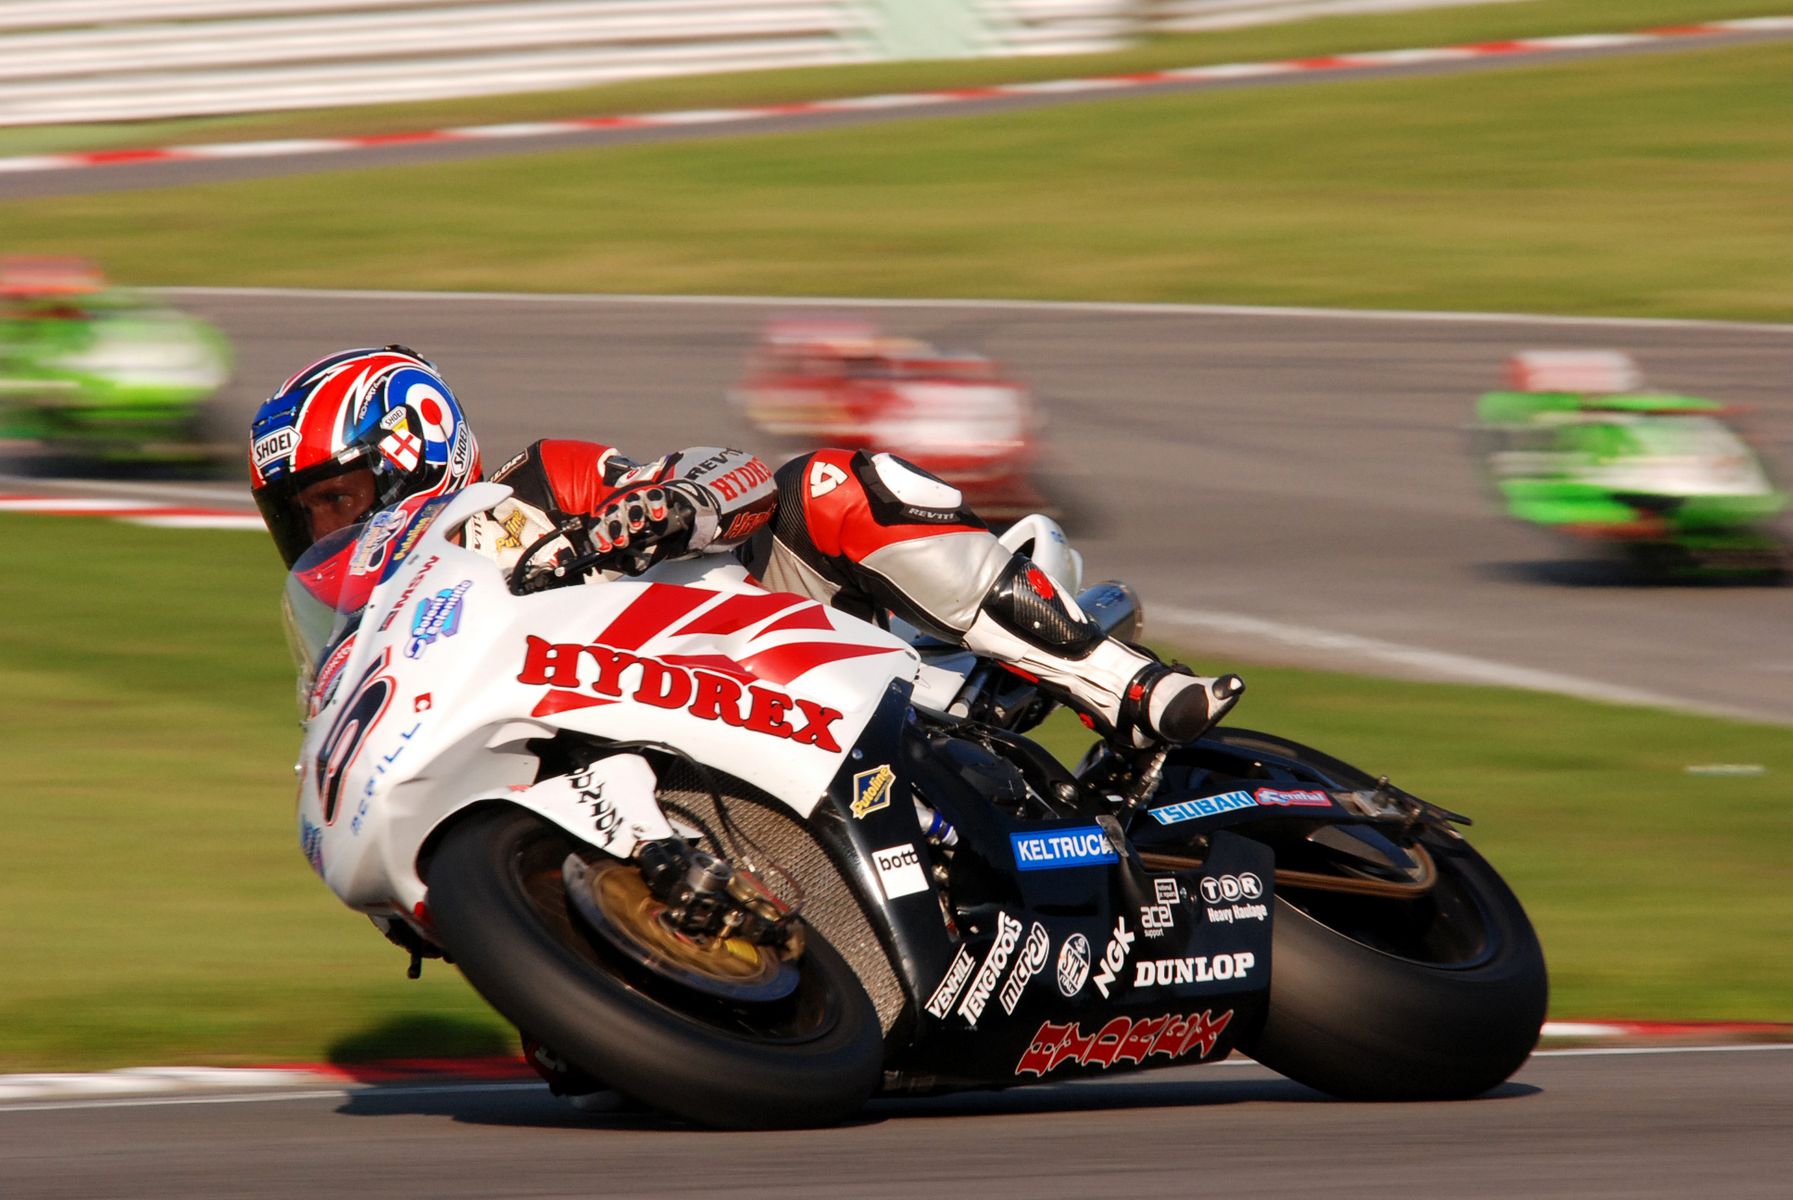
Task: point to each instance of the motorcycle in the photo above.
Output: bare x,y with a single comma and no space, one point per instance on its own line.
124,386
1577,445
750,860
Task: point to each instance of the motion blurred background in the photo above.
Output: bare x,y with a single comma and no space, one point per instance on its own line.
1233,331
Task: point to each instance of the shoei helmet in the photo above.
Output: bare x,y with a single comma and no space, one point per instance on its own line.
384,410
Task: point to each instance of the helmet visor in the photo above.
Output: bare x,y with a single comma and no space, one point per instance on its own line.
288,519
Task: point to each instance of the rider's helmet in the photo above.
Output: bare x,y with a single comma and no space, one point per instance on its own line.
49,286
353,433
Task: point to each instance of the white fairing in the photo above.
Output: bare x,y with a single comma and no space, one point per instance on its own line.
1043,540
430,707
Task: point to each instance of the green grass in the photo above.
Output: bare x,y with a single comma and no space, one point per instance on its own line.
1446,26
158,908
1652,185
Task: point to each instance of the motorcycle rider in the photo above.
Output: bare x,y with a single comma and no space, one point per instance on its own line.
367,428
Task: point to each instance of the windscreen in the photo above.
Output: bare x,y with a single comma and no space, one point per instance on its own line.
323,599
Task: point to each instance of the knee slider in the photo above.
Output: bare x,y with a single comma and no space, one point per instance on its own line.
1028,603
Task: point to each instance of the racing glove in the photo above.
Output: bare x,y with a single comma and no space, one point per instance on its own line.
652,520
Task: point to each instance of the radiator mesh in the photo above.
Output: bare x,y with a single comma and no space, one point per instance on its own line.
829,905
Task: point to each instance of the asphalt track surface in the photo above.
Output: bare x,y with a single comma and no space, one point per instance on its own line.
1281,486
1709,1122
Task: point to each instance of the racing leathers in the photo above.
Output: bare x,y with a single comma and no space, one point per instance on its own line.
866,533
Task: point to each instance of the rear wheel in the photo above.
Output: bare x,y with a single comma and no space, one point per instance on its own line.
812,1055
1434,997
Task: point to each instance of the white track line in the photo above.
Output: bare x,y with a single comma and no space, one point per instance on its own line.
273,1097
1618,1051
1526,49
991,304
1433,664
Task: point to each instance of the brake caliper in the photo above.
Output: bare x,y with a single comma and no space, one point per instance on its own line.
706,896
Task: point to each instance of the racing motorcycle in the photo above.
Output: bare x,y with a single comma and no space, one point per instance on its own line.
750,860
125,386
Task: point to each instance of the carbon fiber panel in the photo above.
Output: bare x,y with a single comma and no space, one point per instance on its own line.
829,904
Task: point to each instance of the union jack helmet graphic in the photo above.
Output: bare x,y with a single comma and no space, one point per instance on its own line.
379,409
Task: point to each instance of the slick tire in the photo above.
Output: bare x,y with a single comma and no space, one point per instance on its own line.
1366,1022
501,913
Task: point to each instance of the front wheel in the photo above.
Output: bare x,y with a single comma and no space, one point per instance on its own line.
500,907
1436,998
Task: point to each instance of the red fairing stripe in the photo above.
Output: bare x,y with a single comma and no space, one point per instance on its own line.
650,613
810,616
575,472
563,701
781,664
738,612
840,521
721,663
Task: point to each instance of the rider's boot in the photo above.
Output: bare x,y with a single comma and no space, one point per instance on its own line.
1034,628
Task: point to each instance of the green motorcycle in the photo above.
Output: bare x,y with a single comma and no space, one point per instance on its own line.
1578,447
120,382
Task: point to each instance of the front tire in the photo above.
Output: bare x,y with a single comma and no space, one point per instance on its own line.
1434,999
500,910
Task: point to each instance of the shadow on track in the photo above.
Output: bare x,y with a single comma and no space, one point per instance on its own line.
1618,573
523,1105
420,1037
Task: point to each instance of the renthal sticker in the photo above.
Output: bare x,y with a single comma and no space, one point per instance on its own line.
1205,806
1073,965
899,870
871,790
1296,799
1114,955
1162,972
1158,918
437,617
996,961
1032,961
1243,886
1123,1039
941,1002
1083,846
705,694
273,446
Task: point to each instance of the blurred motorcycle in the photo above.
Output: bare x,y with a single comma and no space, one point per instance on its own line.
1578,446
93,376
751,860
815,383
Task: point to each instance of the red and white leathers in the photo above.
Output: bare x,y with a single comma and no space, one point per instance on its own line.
870,533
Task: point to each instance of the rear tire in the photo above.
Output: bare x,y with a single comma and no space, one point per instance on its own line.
500,910
1445,1004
